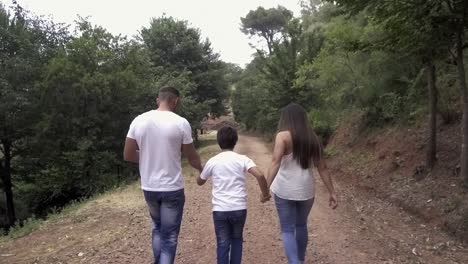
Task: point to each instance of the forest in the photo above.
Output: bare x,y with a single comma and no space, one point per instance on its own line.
389,62
69,92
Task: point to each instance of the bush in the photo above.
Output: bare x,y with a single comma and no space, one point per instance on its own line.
387,108
324,124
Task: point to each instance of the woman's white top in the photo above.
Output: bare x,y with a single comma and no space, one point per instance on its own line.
292,181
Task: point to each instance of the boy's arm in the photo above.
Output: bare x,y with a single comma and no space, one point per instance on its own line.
204,174
261,182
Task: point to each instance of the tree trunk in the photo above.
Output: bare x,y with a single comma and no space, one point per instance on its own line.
6,177
464,94
433,96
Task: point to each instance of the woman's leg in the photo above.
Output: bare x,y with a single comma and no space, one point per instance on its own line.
237,221
287,216
302,235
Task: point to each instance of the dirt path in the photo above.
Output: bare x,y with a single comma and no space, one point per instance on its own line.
115,228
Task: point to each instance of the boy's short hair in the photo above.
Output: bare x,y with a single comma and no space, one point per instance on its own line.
168,93
227,137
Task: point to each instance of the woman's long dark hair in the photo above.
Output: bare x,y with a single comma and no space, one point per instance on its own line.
306,145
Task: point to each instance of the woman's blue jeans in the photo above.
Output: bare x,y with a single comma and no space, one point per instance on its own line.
293,221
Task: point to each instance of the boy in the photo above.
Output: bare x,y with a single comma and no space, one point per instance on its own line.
227,171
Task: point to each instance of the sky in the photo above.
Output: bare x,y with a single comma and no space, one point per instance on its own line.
218,20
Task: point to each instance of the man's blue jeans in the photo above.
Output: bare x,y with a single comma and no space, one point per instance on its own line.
229,227
293,220
166,209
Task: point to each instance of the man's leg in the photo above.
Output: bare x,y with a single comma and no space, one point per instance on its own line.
302,235
287,216
223,236
154,204
172,207
237,221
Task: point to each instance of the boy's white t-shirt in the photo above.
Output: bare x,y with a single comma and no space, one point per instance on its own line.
227,171
160,135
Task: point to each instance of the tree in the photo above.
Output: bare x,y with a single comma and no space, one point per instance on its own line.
177,51
27,44
89,95
457,13
413,28
266,23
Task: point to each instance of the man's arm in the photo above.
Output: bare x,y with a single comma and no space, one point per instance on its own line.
131,153
200,181
192,156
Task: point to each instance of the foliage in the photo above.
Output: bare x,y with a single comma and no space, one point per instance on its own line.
368,56
68,99
177,50
266,24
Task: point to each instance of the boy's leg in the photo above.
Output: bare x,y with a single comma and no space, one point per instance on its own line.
172,207
223,236
237,220
154,204
287,216
302,236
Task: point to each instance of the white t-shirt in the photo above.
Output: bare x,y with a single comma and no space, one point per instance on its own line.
160,135
227,171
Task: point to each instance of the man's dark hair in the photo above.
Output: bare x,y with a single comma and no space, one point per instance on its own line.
227,137
168,93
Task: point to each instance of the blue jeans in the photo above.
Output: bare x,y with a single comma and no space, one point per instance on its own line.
293,220
166,209
229,227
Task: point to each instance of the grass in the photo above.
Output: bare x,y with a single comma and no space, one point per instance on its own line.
33,223
126,196
331,152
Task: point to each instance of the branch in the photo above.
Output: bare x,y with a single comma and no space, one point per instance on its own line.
451,53
449,5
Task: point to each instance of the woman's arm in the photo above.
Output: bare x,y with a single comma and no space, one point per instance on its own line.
328,181
278,152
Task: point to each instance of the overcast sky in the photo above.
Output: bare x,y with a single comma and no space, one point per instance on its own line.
219,20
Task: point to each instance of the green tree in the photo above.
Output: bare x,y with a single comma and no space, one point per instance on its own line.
27,44
88,98
266,23
419,29
457,14
175,49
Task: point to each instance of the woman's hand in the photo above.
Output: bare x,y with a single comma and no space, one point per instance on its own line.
333,202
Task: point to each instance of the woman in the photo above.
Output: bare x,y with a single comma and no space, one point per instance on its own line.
297,151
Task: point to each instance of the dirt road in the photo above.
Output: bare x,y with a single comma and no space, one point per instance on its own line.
115,228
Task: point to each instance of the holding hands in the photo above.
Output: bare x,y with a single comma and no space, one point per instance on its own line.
265,198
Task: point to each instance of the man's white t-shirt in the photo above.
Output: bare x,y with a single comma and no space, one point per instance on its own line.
227,171
160,135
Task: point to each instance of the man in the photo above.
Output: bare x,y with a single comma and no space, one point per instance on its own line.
156,140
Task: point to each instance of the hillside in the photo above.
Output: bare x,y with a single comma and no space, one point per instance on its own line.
388,163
